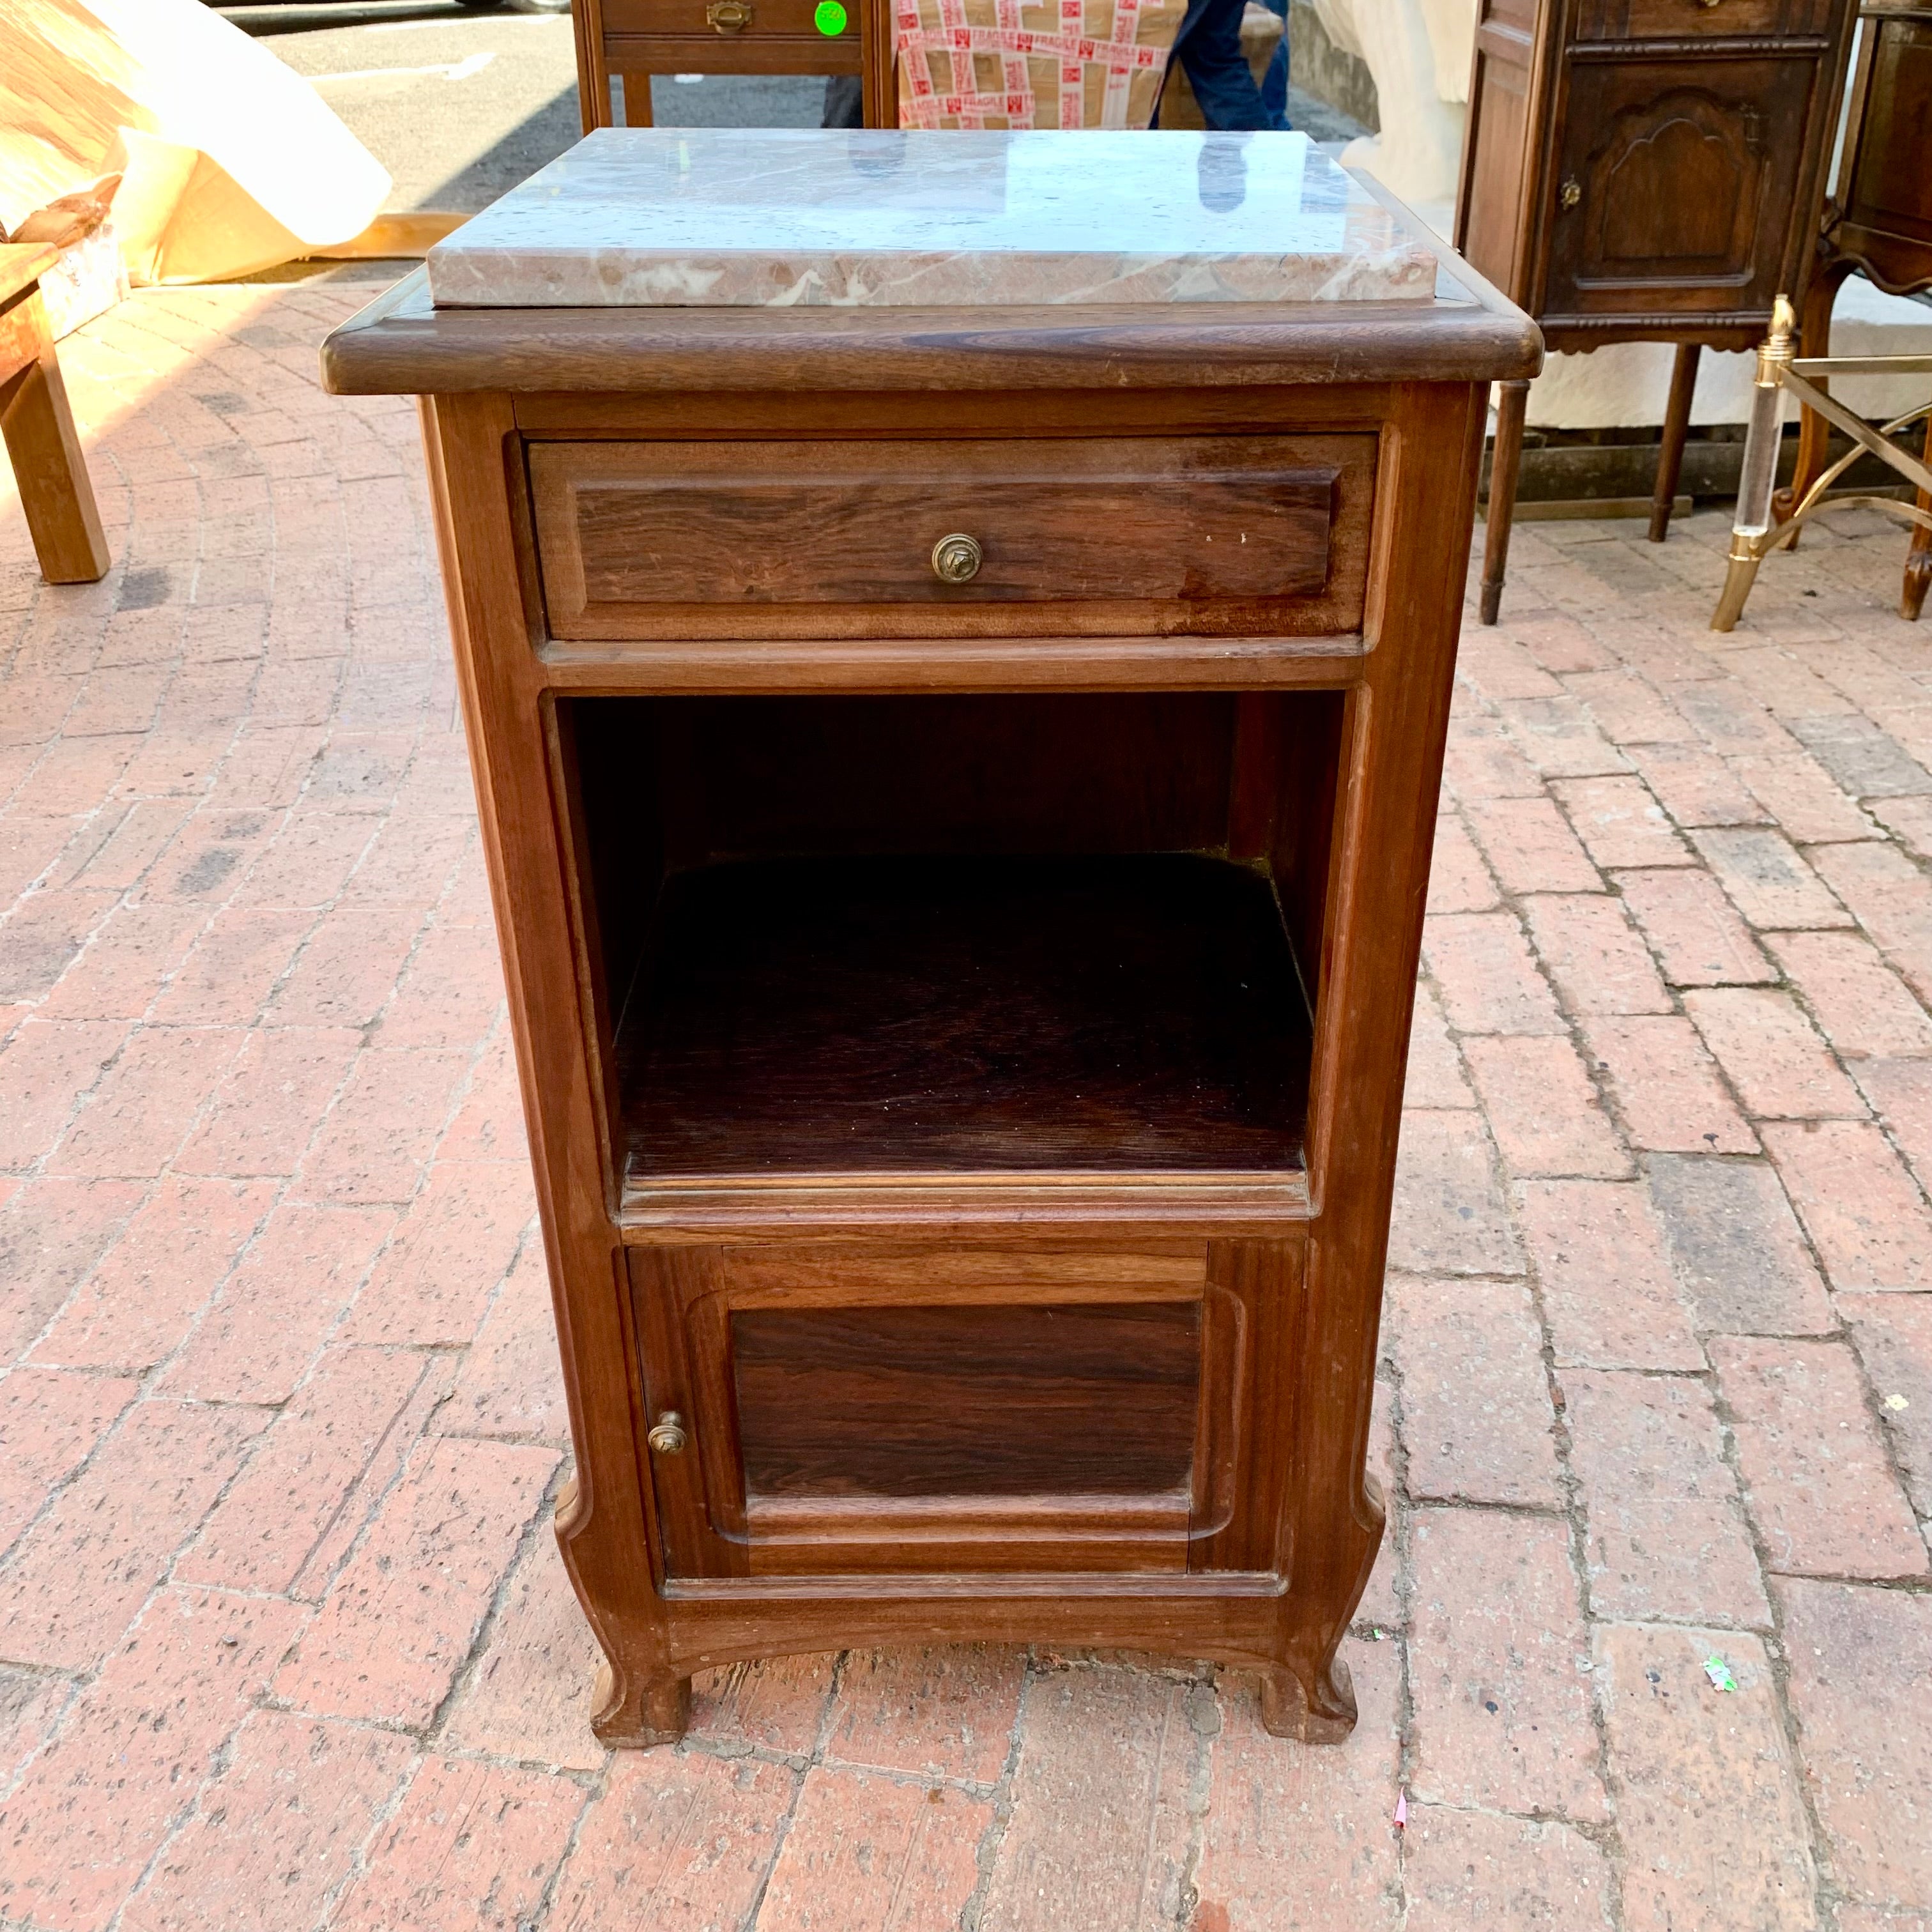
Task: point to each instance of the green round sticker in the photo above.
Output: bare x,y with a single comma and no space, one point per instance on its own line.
829,17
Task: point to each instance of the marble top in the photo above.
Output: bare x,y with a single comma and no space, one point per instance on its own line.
773,217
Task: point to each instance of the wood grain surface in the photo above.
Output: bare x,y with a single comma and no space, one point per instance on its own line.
1203,532
949,1015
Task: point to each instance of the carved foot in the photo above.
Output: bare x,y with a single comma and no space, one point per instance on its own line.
1917,581
652,1711
1322,1713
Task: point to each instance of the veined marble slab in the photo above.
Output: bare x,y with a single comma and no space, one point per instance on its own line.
771,217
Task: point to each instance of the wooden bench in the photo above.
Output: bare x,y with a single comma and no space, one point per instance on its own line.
38,426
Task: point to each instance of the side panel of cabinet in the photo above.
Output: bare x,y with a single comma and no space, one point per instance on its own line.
1496,167
1891,197
1676,185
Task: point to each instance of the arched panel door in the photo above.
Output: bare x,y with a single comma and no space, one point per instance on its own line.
1676,185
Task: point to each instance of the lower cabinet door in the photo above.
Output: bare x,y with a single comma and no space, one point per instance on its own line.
827,1409
1676,184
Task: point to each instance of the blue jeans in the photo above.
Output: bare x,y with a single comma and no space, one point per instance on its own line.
1208,47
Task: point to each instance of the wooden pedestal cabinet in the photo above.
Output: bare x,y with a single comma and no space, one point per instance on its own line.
958,787
1643,171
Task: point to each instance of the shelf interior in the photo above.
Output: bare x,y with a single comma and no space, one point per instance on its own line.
916,1015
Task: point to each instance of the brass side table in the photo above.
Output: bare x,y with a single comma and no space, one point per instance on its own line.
1755,533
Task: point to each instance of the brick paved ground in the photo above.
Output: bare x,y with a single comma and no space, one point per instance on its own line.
286,1641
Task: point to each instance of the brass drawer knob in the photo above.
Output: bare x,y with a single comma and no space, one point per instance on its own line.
1570,193
957,558
667,1437
729,17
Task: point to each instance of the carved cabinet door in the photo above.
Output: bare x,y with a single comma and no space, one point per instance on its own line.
1674,188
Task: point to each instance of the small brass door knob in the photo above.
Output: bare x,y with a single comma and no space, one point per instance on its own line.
1570,193
729,17
957,558
667,1437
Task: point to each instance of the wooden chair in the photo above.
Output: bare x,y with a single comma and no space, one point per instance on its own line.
38,426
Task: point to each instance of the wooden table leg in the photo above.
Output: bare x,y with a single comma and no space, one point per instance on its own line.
1676,426
1504,461
38,426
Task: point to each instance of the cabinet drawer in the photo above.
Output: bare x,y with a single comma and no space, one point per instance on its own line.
1099,536
723,19
1685,19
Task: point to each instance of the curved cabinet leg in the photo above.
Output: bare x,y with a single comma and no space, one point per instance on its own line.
1314,1704
1676,427
1504,462
636,1711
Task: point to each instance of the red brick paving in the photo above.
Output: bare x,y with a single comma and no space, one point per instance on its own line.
283,1639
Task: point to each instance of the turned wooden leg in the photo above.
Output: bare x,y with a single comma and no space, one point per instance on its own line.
1918,558
1314,1703
1814,433
634,1713
1676,426
38,426
1504,462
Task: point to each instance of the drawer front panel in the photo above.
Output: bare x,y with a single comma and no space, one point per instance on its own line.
1685,20
724,20
855,1409
1107,535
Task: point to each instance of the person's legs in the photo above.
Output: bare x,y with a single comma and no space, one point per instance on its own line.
1208,47
1274,82
844,101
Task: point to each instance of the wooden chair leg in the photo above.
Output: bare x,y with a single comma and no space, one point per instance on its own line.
1676,426
38,427
636,90
1918,559
1814,433
1504,462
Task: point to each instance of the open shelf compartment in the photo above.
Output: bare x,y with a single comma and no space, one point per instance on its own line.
851,939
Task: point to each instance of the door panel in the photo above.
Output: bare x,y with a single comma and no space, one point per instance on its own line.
930,1401
1676,185
849,1409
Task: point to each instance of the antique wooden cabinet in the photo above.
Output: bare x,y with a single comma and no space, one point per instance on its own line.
958,782
1643,171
